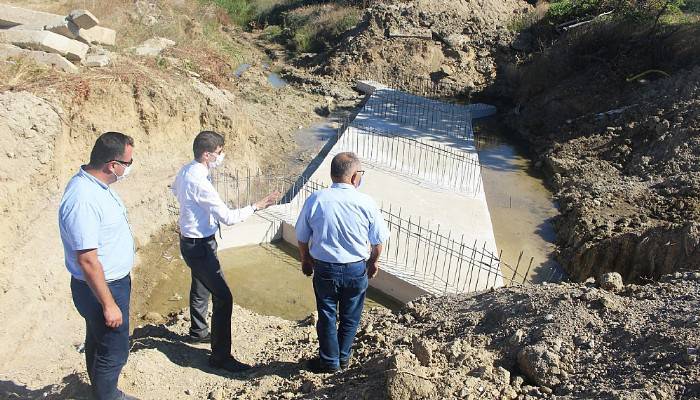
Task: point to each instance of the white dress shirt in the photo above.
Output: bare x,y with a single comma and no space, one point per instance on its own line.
201,207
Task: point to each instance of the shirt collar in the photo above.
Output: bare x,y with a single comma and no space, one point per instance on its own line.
342,186
84,174
199,169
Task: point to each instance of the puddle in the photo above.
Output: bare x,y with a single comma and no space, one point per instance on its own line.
266,279
276,81
241,69
521,207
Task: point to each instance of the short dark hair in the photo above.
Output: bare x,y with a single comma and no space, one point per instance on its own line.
343,163
109,146
206,141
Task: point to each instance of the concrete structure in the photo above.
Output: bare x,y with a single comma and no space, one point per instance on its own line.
422,166
45,41
40,57
97,60
12,16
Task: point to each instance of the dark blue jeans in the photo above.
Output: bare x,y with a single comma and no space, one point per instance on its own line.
106,349
340,289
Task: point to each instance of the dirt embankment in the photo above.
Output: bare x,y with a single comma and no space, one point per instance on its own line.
622,154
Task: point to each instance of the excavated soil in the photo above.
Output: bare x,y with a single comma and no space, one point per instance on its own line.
568,341
625,171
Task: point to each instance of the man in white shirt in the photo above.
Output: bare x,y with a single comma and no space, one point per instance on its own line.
201,212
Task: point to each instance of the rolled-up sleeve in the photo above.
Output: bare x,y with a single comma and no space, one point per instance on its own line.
81,224
378,231
302,227
208,198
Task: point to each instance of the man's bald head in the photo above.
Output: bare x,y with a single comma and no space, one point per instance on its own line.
343,166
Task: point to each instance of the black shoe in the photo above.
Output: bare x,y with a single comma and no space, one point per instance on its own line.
314,365
203,339
230,364
344,364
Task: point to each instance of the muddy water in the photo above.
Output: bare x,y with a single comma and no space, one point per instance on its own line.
521,206
266,279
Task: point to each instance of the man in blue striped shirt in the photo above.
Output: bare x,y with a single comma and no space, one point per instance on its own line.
340,233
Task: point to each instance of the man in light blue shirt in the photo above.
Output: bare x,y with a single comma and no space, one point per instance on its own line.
99,254
340,233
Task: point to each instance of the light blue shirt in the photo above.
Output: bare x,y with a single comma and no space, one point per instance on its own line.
92,216
340,223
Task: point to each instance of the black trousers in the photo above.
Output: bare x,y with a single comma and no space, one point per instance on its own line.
208,278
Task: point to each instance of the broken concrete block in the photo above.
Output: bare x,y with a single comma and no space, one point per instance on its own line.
83,18
63,27
40,57
97,60
153,47
45,41
12,16
100,35
66,27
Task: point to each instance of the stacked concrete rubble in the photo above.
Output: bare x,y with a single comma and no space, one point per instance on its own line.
61,41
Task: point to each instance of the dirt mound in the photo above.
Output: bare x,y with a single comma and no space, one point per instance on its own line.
454,41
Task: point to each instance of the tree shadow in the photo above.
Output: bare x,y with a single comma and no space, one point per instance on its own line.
71,387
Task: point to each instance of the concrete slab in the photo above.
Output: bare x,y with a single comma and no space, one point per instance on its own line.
100,35
97,60
45,41
83,19
40,57
64,27
12,16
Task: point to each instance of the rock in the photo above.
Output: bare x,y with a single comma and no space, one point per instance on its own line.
549,317
40,57
447,70
152,317
407,380
153,47
64,27
308,386
12,16
423,351
611,281
538,363
100,35
517,337
103,60
83,19
45,41
216,394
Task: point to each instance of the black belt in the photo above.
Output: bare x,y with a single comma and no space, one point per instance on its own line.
196,240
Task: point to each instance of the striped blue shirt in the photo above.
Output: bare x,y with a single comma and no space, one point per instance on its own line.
340,223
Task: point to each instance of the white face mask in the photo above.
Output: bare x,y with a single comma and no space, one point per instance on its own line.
127,170
216,163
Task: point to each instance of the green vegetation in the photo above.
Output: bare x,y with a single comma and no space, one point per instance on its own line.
567,10
241,12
